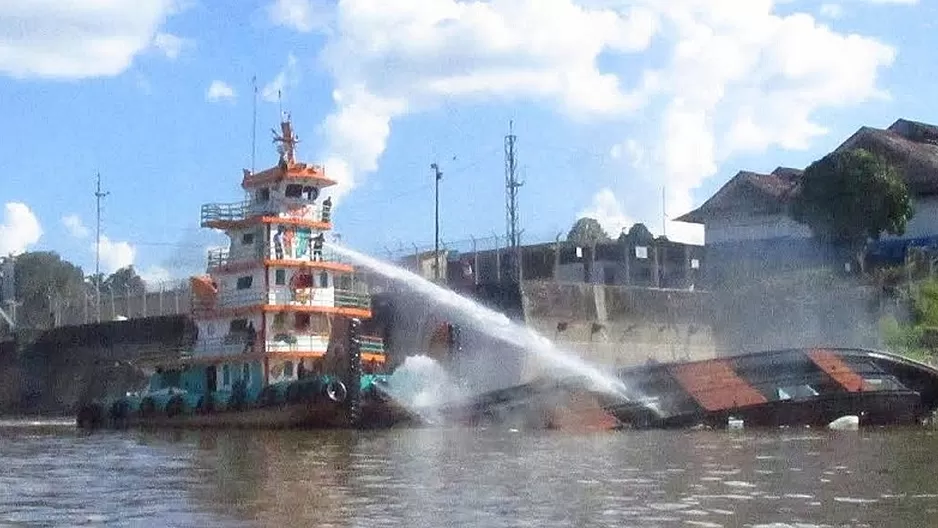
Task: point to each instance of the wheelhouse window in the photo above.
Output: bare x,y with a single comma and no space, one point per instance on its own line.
302,322
280,277
244,283
246,373
263,195
293,190
324,279
225,375
247,239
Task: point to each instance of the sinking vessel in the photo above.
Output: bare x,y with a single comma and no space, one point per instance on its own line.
790,387
284,335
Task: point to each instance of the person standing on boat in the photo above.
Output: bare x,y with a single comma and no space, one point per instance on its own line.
251,337
327,209
318,241
278,242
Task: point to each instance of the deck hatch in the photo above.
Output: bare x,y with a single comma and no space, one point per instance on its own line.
715,385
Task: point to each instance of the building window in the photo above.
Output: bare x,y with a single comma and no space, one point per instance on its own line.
694,264
245,282
294,191
302,322
280,277
641,252
247,239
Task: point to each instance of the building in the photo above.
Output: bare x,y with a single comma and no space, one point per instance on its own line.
748,230
635,258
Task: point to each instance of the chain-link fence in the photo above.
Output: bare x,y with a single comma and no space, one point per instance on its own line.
159,298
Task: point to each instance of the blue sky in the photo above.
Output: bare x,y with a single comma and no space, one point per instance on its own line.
612,101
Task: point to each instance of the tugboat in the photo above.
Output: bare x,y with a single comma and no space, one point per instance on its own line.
282,322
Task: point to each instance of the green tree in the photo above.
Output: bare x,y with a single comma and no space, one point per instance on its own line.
850,197
45,283
124,281
586,232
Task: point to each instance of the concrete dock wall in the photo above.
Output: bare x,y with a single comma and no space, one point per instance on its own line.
616,326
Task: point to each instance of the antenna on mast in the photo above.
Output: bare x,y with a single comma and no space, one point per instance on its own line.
98,194
254,126
664,212
280,103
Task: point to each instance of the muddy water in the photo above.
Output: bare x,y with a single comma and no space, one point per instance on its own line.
51,474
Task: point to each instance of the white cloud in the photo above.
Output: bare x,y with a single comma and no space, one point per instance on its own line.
630,151
831,10
301,15
155,276
288,77
607,210
170,45
115,255
75,226
736,77
77,39
219,91
19,230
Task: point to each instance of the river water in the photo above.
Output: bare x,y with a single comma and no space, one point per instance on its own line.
54,475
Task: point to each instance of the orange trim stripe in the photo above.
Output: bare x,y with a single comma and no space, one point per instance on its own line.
314,264
203,315
715,385
300,222
837,369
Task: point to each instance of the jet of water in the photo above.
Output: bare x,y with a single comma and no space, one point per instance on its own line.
423,386
494,324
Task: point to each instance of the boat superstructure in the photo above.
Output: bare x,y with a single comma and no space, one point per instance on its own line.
281,320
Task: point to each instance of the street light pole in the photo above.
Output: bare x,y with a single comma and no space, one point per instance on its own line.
436,236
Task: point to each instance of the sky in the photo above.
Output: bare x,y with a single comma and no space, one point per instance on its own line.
624,110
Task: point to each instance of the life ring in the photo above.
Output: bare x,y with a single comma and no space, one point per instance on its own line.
147,406
206,404
119,411
90,416
175,406
336,391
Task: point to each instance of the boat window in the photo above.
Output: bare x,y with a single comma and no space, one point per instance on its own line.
288,369
246,373
882,383
245,282
247,239
237,326
263,195
796,392
302,321
324,279
280,277
294,190
225,375
768,372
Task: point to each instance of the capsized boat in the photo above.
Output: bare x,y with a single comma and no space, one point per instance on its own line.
791,387
283,324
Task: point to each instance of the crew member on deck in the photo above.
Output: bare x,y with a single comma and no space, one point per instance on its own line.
327,209
318,241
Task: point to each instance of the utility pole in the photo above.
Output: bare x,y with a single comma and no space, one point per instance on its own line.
512,231
98,194
436,216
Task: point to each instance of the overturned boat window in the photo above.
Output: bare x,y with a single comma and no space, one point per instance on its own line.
882,383
796,392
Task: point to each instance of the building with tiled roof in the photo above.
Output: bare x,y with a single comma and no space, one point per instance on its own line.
746,222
